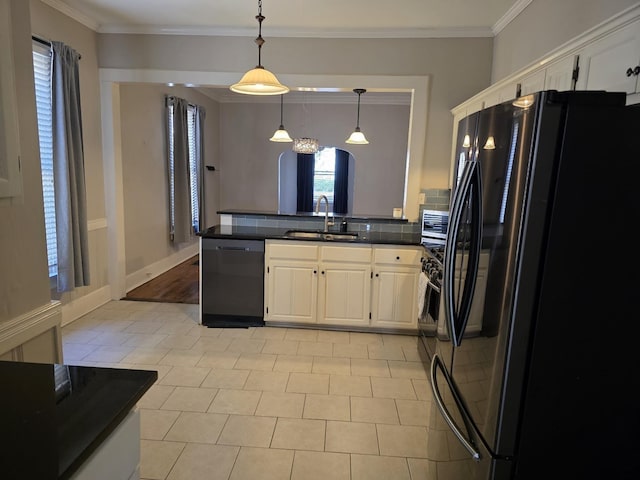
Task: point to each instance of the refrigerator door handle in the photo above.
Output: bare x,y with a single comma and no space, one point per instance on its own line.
435,364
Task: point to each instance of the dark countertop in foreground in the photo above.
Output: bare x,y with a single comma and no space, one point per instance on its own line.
263,233
50,426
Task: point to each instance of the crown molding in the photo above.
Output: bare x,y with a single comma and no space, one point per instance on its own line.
73,13
515,10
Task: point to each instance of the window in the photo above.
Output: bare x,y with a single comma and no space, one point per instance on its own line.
324,175
192,119
42,76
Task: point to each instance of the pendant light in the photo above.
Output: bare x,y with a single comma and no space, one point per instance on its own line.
281,135
357,137
259,81
305,145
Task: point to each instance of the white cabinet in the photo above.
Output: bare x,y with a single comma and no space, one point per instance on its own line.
502,94
559,74
291,280
344,289
534,82
613,62
395,287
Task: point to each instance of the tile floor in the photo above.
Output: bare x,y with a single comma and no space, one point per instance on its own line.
263,403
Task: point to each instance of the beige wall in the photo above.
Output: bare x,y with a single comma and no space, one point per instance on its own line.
457,69
543,26
24,283
249,161
144,170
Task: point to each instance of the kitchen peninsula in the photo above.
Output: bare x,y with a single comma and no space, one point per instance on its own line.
71,422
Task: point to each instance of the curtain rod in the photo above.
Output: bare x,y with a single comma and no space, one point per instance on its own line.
47,43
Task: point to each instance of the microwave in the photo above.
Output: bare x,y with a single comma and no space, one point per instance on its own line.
435,223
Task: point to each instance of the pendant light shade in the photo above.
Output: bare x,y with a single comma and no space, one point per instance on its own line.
259,81
281,135
357,137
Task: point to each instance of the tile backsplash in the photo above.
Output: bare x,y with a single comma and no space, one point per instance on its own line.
435,199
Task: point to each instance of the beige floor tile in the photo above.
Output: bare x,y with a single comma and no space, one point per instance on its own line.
255,361
415,353
321,466
350,350
337,366
178,328
417,370
422,389
146,355
248,431
373,410
181,358
237,402
308,383
299,434
301,334
401,340
108,354
112,339
225,378
316,349
148,340
155,396
413,412
386,352
277,404
293,363
351,437
363,338
212,344
185,376
370,467
154,424
236,332
218,359
421,468
281,347
246,345
402,440
73,352
190,399
350,385
269,333
262,463
157,458
393,388
331,336
370,368
327,407
143,326
178,341
196,427
213,462
267,381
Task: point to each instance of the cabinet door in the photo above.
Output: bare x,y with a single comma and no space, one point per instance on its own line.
395,303
559,75
532,83
604,64
344,294
292,291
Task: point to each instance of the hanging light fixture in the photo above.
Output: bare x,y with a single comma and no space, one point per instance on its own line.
490,144
281,135
305,145
357,137
259,81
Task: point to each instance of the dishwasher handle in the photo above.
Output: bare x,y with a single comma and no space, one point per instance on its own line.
242,249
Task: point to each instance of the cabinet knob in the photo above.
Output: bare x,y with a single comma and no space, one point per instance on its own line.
397,258
315,271
322,272
377,274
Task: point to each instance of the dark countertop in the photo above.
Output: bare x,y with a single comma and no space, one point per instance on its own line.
278,233
55,416
356,218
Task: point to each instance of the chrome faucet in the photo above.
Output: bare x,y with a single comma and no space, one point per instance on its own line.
326,211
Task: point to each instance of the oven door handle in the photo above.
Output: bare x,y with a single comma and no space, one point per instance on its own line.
435,364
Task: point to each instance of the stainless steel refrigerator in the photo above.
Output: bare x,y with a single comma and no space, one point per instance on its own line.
541,255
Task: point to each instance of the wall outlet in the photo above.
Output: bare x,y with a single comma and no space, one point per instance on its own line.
422,198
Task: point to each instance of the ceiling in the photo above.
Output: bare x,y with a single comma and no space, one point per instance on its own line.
297,18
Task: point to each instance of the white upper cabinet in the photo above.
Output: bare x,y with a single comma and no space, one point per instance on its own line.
532,83
613,62
559,74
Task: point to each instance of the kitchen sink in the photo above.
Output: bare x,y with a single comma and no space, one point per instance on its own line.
315,235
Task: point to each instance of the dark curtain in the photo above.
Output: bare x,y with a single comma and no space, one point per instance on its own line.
306,166
341,182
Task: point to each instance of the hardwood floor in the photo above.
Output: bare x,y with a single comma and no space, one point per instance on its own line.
181,284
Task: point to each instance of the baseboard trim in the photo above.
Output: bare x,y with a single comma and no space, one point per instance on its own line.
81,306
158,268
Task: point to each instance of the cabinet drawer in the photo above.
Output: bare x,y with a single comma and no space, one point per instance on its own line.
397,256
345,254
292,251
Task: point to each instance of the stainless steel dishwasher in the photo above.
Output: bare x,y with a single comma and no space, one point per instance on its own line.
232,282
